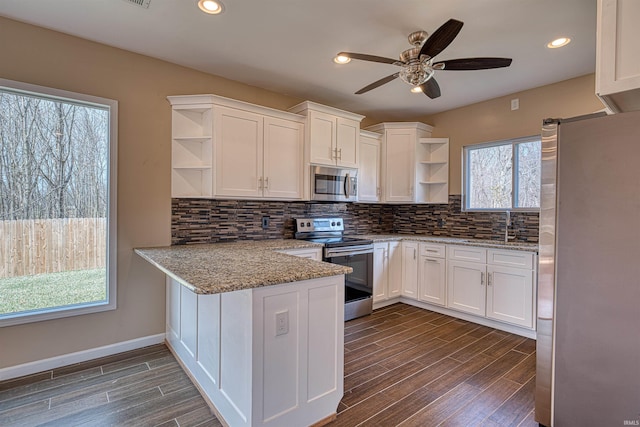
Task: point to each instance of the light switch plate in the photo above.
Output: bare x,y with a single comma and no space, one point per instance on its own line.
282,322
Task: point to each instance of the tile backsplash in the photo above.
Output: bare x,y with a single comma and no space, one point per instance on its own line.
209,221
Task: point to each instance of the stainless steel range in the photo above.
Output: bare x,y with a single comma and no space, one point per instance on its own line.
349,251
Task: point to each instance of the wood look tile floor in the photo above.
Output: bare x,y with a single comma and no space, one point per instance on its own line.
403,366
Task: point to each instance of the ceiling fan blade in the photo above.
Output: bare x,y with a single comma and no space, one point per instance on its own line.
441,38
476,63
372,58
378,83
431,88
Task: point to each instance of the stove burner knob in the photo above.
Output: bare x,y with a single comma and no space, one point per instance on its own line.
301,224
338,223
333,224
308,224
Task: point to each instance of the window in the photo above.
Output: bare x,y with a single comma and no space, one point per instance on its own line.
502,175
57,203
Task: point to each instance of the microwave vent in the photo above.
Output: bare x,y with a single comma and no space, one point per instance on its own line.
142,3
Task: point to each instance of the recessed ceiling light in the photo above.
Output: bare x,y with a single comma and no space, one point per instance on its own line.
559,42
416,89
212,7
341,59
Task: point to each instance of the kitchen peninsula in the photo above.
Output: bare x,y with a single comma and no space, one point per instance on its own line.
261,332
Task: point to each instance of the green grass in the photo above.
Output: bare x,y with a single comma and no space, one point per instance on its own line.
51,290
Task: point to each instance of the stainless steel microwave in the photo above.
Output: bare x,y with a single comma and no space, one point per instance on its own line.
334,184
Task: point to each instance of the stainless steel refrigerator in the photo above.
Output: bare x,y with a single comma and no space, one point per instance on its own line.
588,348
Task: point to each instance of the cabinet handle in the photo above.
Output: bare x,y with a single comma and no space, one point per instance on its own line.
334,153
488,279
414,253
432,250
266,183
340,154
260,186
481,279
411,190
378,191
431,260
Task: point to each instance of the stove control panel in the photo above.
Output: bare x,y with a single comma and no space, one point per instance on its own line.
319,224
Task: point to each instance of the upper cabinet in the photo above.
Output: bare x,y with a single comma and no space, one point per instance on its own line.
414,167
231,149
332,135
617,58
369,169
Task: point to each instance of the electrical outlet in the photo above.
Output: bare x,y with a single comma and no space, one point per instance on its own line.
515,104
265,222
282,322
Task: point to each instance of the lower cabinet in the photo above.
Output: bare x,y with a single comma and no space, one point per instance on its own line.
387,271
500,289
466,291
490,284
410,269
432,274
269,356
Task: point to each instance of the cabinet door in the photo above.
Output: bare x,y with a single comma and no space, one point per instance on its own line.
510,295
432,280
322,138
369,170
380,271
394,258
466,287
283,161
410,269
617,59
238,139
400,145
347,142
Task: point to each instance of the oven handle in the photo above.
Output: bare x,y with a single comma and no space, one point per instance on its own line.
347,252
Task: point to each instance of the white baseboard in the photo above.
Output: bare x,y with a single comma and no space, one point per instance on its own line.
77,357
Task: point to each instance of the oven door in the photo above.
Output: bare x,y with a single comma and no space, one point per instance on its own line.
358,292
334,184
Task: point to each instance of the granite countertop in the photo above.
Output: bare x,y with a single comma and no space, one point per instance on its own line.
496,244
226,267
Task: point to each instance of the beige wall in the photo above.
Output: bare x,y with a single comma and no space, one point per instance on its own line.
493,120
140,85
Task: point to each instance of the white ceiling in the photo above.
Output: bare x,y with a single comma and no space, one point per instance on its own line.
288,45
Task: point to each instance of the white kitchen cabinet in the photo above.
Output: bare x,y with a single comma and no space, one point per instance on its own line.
510,295
410,269
191,150
495,283
332,135
257,156
617,59
387,271
466,287
414,167
223,148
310,253
369,168
432,273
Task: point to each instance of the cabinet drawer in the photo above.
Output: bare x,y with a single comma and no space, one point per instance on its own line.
433,250
518,259
467,253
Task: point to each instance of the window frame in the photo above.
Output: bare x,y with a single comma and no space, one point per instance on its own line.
514,175
111,238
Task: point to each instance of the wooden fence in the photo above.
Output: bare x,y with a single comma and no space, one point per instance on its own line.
51,245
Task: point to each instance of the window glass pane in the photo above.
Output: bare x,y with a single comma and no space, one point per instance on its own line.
54,167
528,174
489,177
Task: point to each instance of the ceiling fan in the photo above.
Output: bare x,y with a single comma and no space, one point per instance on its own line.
417,63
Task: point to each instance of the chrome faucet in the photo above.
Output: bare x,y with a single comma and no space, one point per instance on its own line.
506,228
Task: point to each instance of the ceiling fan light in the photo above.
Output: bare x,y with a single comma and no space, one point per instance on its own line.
416,89
341,59
212,7
559,42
